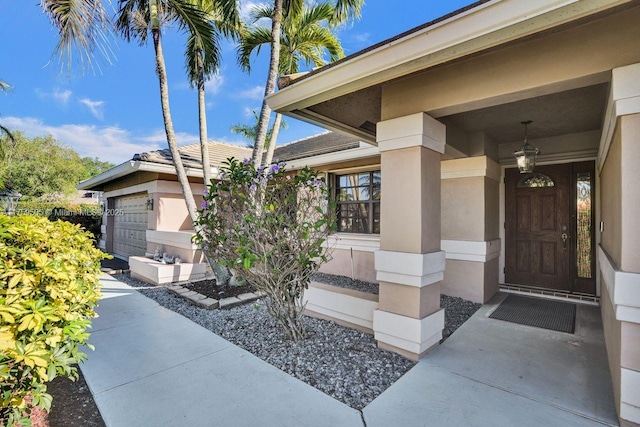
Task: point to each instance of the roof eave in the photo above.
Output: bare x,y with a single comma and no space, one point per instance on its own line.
476,29
132,166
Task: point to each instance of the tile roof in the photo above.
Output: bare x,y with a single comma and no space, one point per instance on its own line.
324,143
192,158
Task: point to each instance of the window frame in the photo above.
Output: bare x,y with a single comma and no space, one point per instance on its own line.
371,203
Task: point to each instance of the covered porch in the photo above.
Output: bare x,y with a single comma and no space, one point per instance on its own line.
443,103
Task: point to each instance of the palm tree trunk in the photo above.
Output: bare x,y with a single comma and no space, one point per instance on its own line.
168,127
202,119
273,140
265,112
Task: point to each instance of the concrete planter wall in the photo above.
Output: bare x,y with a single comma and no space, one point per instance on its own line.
347,307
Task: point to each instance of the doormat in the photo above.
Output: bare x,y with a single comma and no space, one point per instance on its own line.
541,313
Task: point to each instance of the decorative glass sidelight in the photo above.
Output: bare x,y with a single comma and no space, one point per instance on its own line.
583,225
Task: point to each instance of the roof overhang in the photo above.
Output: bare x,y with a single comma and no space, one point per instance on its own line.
127,168
483,26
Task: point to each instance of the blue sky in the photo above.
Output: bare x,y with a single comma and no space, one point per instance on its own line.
115,113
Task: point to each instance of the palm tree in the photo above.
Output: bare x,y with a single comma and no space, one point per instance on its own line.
225,18
137,19
304,38
343,11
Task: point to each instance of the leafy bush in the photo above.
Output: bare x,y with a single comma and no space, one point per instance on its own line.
88,216
270,227
48,290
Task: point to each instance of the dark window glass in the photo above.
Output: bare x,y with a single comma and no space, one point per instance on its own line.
358,202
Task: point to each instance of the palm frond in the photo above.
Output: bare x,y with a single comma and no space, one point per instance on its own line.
252,40
83,25
4,86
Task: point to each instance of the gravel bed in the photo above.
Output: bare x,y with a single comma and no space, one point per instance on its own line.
346,282
341,362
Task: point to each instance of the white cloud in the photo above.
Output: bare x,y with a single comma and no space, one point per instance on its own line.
256,92
247,6
248,112
214,83
60,96
94,106
160,137
362,38
108,143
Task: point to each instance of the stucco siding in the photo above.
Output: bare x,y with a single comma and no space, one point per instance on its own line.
610,181
579,52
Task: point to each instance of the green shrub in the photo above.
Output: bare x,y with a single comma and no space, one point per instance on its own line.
49,287
89,216
269,226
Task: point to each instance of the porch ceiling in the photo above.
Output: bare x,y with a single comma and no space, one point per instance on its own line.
563,113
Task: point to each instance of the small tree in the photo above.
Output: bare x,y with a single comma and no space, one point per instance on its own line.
270,227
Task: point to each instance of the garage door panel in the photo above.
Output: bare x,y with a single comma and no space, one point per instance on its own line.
130,225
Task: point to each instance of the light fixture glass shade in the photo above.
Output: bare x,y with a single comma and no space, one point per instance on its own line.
526,156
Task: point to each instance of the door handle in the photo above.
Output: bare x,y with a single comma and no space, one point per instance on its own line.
564,240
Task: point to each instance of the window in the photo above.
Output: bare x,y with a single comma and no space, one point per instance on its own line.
535,180
357,198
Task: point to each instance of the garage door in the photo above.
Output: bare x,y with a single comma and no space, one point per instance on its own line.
130,225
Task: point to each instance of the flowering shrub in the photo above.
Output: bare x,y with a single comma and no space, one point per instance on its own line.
270,227
48,290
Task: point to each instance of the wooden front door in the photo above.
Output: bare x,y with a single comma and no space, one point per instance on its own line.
542,222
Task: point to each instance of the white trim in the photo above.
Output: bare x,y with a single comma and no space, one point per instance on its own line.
470,167
414,130
464,250
361,243
624,99
623,289
485,26
364,151
409,269
177,239
348,308
155,186
630,394
132,166
407,333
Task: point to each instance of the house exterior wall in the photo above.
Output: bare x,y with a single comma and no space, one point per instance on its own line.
470,227
557,61
618,252
611,204
363,264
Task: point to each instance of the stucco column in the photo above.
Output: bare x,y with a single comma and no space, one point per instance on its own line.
410,264
618,259
470,227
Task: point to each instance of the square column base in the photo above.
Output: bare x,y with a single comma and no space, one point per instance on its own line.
413,337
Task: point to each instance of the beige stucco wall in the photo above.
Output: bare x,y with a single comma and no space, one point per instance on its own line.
577,53
419,198
470,209
612,340
340,264
171,211
610,214
471,280
630,200
463,208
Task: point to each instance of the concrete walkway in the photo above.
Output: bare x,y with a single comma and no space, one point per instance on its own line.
153,367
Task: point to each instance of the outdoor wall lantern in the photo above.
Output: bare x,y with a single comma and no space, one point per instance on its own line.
9,200
149,204
526,156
